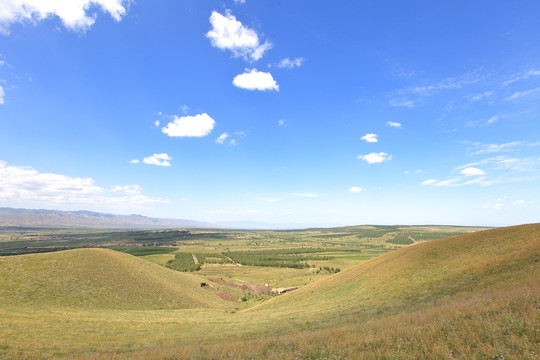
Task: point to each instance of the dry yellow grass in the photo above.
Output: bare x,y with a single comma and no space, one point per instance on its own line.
474,296
97,278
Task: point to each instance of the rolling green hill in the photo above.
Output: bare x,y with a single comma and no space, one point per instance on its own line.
473,296
97,279
420,273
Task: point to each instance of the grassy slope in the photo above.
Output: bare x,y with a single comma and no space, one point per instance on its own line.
472,296
419,273
97,278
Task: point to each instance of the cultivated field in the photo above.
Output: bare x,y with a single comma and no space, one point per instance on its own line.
364,292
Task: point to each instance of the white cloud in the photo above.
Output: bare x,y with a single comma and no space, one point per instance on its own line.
519,202
2,94
410,97
429,182
472,171
158,159
288,63
370,138
493,206
482,96
492,119
190,126
400,102
233,138
185,109
135,161
519,94
24,184
393,124
281,122
522,76
74,14
239,1
230,34
418,172
255,80
374,158
156,123
492,148
356,189
221,139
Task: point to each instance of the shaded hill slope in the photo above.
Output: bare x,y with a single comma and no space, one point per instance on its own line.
421,273
97,278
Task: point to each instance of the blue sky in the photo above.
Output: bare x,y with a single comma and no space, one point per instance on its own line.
293,112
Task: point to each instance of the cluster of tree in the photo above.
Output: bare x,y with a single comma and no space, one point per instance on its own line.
401,238
328,270
183,262
271,258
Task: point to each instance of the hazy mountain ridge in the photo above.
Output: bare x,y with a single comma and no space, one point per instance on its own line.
85,219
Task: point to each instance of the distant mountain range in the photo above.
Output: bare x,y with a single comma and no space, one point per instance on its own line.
89,219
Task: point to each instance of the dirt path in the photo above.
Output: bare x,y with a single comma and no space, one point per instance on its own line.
195,260
412,239
235,263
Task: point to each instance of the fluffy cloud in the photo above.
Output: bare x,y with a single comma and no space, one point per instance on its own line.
289,64
374,158
24,184
281,122
356,189
73,13
221,139
230,34
370,138
393,124
158,159
255,80
472,171
2,94
190,126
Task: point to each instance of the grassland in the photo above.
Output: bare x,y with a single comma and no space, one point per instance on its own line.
464,297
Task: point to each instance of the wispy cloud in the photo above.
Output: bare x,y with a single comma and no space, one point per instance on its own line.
522,76
230,34
281,122
356,189
25,184
233,138
291,63
482,96
411,96
2,94
480,148
519,94
393,124
255,80
221,139
76,15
